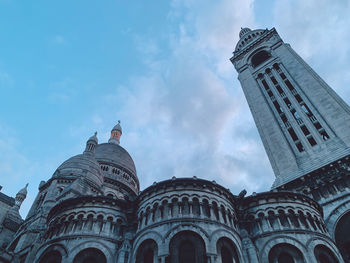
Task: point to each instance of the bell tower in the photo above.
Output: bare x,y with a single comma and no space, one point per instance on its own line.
303,123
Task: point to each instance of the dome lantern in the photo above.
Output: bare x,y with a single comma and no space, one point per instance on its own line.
244,31
116,133
91,144
20,196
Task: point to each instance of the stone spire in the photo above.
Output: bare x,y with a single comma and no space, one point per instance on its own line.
116,133
91,144
20,196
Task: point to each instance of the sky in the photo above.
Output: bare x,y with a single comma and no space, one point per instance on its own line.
70,68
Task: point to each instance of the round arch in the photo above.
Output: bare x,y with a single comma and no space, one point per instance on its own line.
153,235
51,254
324,255
248,57
266,248
186,227
342,238
223,233
91,244
147,252
334,217
285,253
323,242
227,251
187,246
90,255
259,58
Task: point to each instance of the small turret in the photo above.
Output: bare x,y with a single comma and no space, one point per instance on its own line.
91,144
116,133
244,31
20,196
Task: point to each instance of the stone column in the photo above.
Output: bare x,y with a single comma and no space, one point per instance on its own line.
211,211
211,258
265,224
249,250
107,227
221,218
257,221
95,226
143,220
166,211
200,209
162,258
290,222
157,216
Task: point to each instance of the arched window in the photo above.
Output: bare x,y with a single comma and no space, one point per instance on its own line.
147,252
227,251
187,246
51,257
285,253
260,57
90,255
342,237
324,255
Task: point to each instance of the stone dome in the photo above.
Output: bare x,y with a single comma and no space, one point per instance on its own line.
82,165
115,154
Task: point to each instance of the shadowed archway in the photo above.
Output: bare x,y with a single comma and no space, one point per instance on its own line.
187,246
342,237
90,255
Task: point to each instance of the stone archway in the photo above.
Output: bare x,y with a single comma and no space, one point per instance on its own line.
187,246
342,237
147,252
285,253
90,255
52,256
324,255
226,251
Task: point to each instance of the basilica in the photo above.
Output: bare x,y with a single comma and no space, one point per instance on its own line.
92,209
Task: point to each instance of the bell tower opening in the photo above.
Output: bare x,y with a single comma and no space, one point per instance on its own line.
260,58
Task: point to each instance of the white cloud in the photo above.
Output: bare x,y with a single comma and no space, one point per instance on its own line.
318,31
180,118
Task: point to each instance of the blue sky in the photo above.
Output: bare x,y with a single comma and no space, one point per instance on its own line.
69,68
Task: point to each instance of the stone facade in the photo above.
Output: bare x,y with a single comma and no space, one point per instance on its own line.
91,209
302,122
